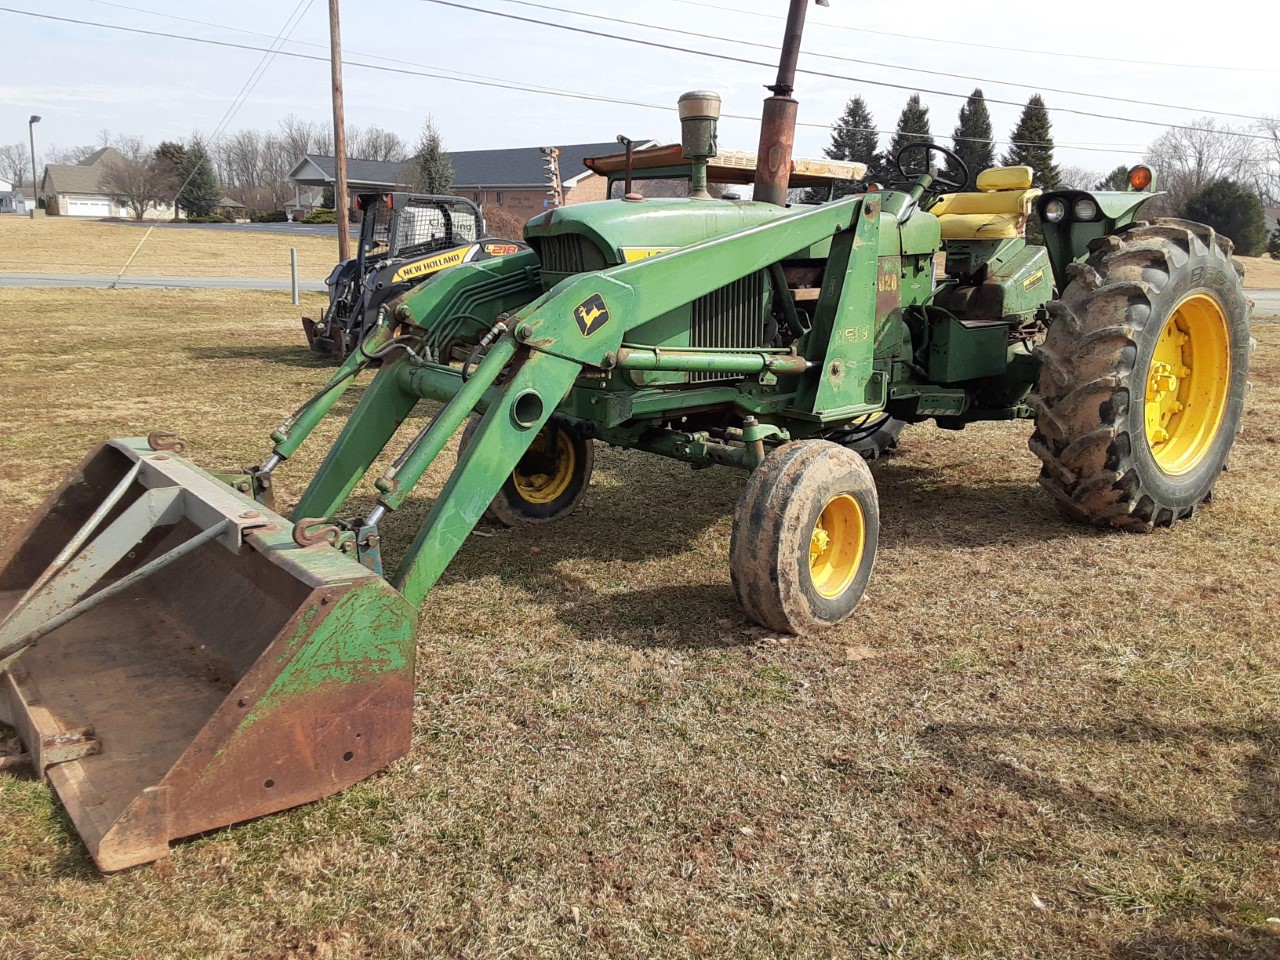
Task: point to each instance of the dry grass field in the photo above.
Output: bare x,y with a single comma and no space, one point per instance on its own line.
74,245
1031,739
1261,273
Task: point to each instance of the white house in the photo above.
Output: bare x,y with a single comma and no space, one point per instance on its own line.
75,189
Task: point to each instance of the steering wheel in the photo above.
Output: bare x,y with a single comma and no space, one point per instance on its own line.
939,180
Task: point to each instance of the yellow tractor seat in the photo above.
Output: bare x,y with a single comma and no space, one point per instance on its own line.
998,211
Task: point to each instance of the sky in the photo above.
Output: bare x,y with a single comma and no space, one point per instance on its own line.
86,79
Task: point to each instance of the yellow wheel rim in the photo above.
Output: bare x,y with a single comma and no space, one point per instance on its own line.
835,546
546,471
1188,383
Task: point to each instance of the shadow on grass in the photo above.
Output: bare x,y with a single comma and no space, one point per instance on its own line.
1234,940
1256,802
299,356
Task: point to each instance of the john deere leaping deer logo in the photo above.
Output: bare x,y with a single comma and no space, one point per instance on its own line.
591,314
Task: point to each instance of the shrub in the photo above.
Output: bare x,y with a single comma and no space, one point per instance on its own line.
1273,244
211,218
1234,211
321,215
271,216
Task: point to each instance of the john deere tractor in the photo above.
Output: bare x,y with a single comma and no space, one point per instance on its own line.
178,655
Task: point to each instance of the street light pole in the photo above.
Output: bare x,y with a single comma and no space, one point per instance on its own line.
35,188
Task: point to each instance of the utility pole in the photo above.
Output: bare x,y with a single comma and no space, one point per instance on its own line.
339,136
35,187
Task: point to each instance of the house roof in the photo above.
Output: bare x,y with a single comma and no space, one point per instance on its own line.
523,166
316,170
231,202
82,177
508,167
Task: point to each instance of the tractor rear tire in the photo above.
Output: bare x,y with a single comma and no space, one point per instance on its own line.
550,480
1143,376
804,540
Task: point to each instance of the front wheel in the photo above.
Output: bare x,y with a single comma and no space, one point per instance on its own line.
804,538
1143,376
549,481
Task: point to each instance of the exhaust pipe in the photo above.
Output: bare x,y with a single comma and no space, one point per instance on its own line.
778,122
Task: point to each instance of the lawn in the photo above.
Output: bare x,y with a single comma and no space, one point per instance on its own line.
1030,740
75,245
1261,273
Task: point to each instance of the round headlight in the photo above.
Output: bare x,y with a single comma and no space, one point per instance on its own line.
1085,209
1055,210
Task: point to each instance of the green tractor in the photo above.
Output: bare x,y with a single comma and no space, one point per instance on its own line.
178,656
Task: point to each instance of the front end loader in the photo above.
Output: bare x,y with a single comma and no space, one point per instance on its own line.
177,655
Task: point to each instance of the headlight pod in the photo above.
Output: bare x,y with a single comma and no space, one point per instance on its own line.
1085,209
1054,211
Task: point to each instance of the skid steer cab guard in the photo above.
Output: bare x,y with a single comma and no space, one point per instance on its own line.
405,239
174,661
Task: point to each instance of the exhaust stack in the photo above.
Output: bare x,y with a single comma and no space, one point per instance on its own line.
778,122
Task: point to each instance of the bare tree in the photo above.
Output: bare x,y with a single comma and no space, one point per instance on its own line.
1185,160
55,154
1267,180
15,163
1077,178
138,178
374,143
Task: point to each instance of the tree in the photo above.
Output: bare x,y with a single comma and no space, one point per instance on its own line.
1031,144
138,177
1117,179
189,175
1234,211
913,126
327,198
973,139
15,163
1077,178
1273,244
430,168
854,138
1186,160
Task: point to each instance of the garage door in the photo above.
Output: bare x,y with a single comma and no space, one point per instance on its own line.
88,207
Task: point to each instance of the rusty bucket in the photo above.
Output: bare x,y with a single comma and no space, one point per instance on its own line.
173,662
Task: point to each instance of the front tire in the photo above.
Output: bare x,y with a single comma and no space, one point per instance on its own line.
1143,376
805,534
550,480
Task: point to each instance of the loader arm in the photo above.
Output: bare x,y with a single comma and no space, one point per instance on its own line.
537,357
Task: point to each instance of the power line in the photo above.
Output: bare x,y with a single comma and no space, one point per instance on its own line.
892,66
821,73
992,46
305,43
498,83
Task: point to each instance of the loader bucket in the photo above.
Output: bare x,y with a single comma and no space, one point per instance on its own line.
173,662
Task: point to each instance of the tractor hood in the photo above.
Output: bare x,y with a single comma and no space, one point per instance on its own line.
618,231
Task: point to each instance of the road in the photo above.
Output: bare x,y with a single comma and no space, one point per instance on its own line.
295,229
101,280
1266,303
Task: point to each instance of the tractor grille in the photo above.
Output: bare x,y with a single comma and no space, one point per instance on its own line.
562,255
732,316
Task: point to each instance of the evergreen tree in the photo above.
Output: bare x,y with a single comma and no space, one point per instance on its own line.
854,137
913,126
189,170
328,200
1273,244
1032,144
1117,179
1234,211
432,168
973,139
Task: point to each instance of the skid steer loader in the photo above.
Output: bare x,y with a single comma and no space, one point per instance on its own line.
177,655
405,239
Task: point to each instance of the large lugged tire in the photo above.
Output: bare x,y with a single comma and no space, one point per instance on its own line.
1143,376
804,540
550,480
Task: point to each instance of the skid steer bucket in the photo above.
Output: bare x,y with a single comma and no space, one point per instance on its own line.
174,662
